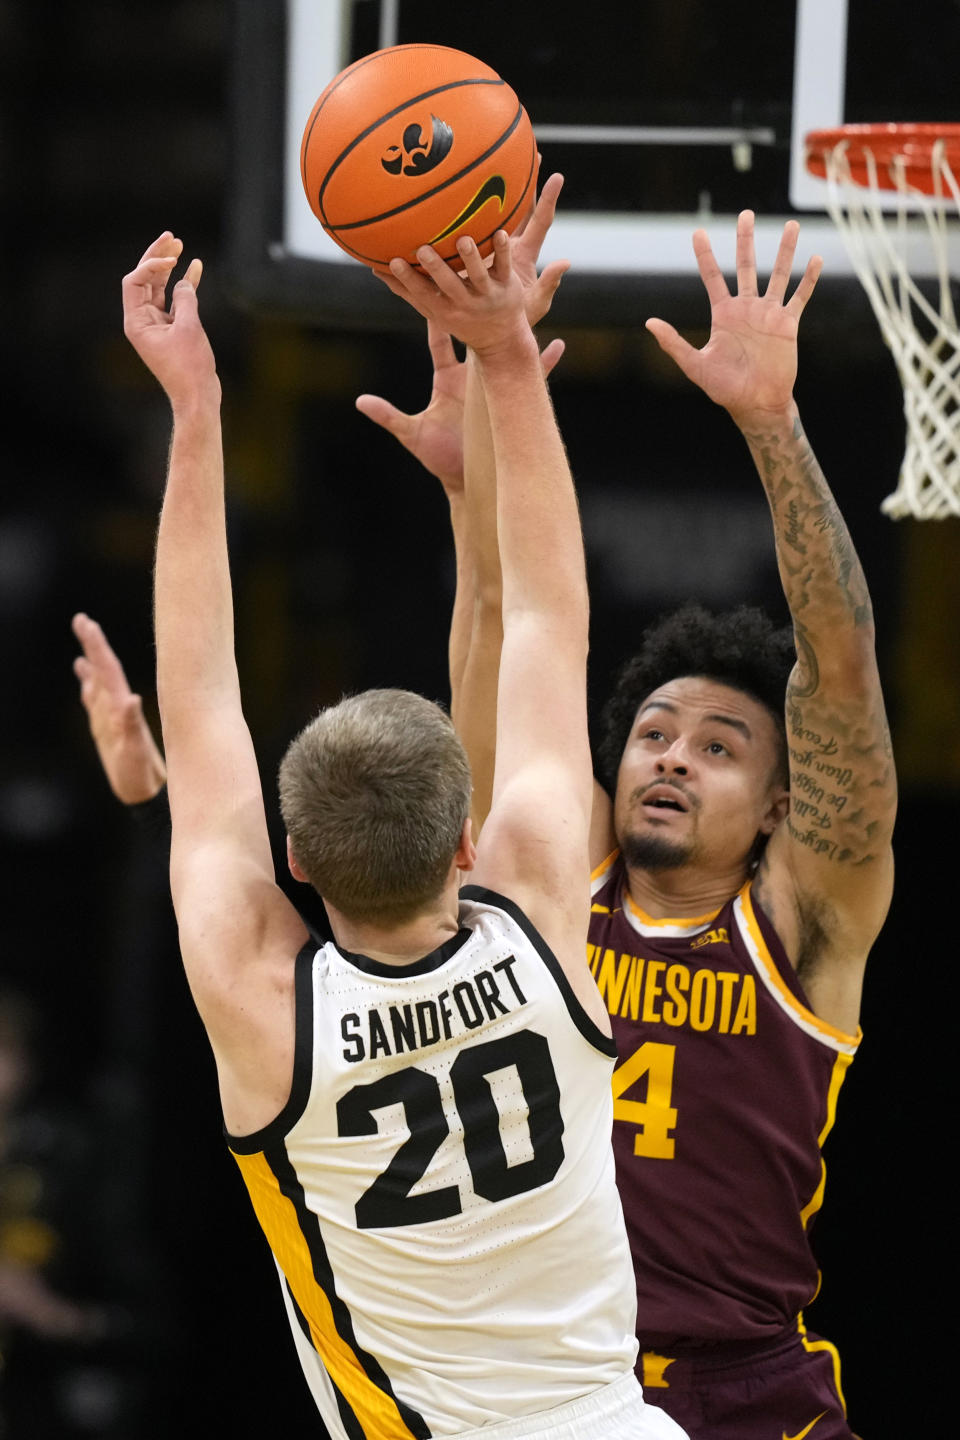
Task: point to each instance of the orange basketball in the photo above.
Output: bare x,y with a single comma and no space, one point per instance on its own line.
414,145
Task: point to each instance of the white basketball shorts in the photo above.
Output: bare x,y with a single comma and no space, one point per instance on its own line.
616,1411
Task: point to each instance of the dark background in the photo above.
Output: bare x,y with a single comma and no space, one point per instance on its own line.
116,121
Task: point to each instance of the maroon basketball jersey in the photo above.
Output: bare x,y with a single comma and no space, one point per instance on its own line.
725,1089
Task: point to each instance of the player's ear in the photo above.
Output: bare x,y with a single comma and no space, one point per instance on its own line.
294,866
466,856
777,808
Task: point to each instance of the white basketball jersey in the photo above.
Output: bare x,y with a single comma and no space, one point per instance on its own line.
439,1190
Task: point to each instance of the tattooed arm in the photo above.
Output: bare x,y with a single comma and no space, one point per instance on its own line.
829,867
827,873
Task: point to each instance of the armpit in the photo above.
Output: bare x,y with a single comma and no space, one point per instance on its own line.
816,932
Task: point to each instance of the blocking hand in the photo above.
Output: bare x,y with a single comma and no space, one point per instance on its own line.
128,753
484,307
749,364
172,343
526,243
434,436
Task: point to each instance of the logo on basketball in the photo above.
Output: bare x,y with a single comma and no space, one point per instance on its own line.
492,188
421,155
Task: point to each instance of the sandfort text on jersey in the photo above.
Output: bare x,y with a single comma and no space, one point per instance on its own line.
394,1029
678,994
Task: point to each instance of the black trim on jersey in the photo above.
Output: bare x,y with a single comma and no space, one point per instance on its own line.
348,1420
302,1062
588,1029
309,1226
433,961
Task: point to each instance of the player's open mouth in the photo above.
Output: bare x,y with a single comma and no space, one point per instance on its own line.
664,797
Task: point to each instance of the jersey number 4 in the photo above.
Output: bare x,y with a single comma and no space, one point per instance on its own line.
388,1200
655,1116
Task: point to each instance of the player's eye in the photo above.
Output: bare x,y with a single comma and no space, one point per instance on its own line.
716,748
652,734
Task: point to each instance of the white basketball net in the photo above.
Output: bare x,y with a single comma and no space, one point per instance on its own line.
925,343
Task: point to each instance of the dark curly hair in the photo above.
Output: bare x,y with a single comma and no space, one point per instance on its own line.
741,648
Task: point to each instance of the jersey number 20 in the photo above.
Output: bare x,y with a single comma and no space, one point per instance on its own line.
388,1200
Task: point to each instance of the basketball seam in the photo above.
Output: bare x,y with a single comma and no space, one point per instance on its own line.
428,194
364,60
374,260
387,115
344,75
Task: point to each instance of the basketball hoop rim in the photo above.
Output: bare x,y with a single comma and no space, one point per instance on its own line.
910,144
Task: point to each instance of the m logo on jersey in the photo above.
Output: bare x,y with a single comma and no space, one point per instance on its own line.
421,156
711,937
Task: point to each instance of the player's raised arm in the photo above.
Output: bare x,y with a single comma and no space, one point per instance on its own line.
434,436
535,843
238,932
477,693
437,436
451,438
827,873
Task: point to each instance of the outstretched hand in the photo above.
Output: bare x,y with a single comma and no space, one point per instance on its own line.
127,750
482,306
749,364
523,248
526,244
172,343
434,435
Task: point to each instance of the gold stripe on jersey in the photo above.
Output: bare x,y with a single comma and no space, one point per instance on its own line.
775,983
601,871
840,1067
684,923
375,1410
831,1350
647,922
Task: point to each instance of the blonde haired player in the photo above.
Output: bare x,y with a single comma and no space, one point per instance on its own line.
421,1108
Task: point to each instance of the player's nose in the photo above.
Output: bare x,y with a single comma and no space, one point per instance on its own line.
675,760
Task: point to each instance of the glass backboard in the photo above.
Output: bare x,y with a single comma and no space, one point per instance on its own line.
662,115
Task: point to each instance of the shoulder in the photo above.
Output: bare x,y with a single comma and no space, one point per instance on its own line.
537,853
566,962
231,926
239,948
826,946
